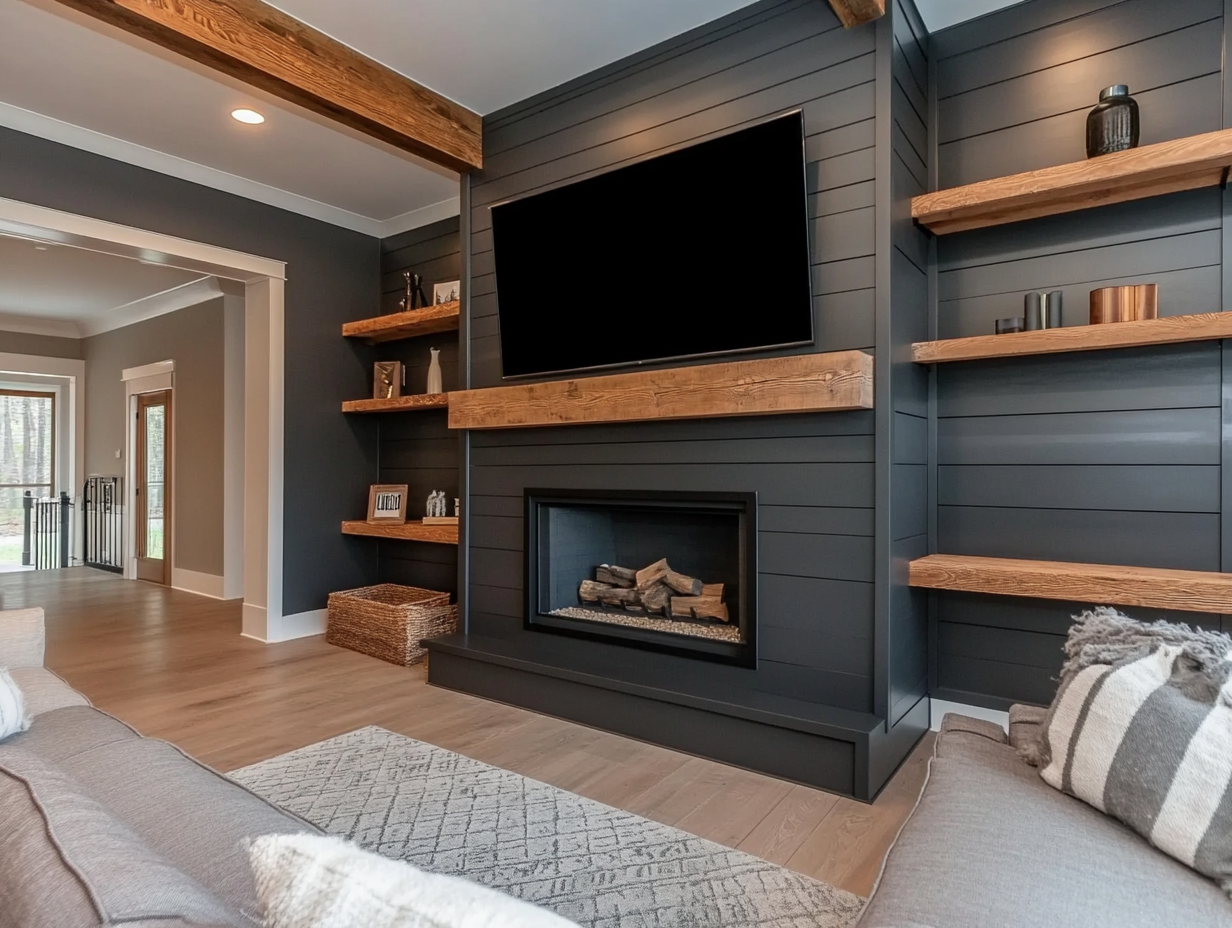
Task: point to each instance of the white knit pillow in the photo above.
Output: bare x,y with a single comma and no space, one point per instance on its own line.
310,881
13,718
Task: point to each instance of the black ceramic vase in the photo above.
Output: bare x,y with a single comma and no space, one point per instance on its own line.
1113,125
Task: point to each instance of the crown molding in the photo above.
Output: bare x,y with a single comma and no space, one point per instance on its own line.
38,325
192,293
55,130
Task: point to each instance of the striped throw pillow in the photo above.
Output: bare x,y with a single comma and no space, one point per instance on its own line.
1141,729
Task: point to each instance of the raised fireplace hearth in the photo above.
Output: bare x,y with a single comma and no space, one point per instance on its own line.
674,572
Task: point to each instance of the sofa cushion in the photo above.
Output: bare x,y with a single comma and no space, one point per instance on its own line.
45,691
67,861
312,881
22,638
13,715
990,844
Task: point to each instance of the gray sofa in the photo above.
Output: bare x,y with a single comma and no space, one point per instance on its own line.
100,826
990,845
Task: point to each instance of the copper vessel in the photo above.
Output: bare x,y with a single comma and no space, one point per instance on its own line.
1125,304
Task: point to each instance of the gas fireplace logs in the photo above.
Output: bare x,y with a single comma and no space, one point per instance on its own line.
655,590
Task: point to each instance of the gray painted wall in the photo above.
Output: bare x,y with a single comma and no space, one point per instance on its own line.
193,338
418,449
815,474
1111,457
333,275
44,346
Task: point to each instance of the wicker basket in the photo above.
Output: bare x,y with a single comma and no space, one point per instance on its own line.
388,621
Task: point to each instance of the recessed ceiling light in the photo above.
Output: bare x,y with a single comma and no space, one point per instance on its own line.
248,117
40,247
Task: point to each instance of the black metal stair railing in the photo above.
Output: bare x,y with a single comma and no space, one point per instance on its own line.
103,524
47,531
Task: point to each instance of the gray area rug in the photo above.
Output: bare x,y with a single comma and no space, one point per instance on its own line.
600,866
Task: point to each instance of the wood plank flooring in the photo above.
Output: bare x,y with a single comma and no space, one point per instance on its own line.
174,666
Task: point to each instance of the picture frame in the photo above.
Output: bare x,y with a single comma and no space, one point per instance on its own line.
387,504
448,292
387,380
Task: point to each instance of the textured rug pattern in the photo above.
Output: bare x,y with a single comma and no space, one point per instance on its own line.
600,866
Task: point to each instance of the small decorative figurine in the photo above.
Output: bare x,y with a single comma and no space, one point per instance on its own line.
434,512
434,374
387,380
457,507
414,298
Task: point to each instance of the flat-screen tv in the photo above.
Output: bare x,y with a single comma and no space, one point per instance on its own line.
701,251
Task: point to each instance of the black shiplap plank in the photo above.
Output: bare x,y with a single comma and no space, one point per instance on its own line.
909,506
1163,377
1000,679
835,449
839,608
1135,487
817,649
827,688
821,520
1185,541
844,276
777,484
1138,437
497,601
831,557
808,425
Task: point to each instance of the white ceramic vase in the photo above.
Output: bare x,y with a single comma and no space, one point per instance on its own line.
434,372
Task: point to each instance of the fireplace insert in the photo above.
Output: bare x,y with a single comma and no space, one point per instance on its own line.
674,572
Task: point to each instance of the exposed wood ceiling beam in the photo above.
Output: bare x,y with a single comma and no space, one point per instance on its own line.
855,12
265,47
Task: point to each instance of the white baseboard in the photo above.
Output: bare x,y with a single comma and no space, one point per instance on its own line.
191,581
287,628
254,622
941,707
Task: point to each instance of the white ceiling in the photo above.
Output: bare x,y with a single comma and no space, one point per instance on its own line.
70,292
66,77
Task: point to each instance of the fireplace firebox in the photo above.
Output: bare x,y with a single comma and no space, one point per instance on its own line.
674,572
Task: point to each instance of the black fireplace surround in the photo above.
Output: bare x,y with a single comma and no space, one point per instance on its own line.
709,536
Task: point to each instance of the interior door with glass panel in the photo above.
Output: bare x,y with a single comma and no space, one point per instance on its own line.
153,486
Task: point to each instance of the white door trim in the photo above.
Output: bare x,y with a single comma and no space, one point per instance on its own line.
263,395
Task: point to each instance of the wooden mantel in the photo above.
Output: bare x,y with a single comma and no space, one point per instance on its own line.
264,47
840,380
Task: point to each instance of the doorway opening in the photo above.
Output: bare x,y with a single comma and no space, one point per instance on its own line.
153,487
27,473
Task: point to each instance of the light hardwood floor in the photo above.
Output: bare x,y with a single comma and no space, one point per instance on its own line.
174,666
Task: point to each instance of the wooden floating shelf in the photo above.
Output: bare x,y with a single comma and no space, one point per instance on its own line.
1166,167
1164,331
1183,590
841,380
399,403
411,531
442,317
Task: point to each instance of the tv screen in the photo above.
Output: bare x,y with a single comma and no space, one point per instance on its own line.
702,251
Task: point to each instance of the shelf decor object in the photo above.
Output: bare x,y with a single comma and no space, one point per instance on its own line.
440,318
412,403
1103,584
1164,331
408,531
1165,167
387,504
1114,124
830,382
1124,304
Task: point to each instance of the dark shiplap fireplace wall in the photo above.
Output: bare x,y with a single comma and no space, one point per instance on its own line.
832,664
